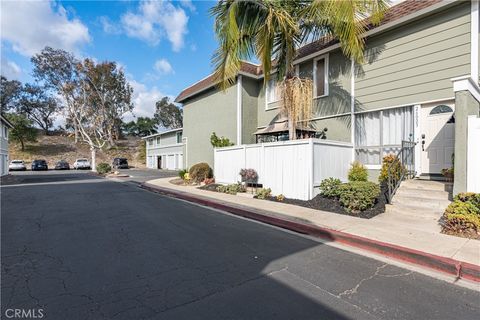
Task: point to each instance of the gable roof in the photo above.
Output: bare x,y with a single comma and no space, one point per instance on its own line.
394,13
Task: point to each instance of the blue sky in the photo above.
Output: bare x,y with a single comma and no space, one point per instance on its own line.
163,46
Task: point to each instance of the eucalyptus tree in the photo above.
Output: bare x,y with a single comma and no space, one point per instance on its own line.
272,30
38,105
9,93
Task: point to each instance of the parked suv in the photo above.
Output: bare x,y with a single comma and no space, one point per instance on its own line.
17,165
39,165
81,164
62,165
120,163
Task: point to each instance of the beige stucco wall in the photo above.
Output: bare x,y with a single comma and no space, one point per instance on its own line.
212,111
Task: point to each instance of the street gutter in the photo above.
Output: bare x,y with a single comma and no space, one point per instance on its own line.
453,267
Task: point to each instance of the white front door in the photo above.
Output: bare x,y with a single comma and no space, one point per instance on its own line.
437,137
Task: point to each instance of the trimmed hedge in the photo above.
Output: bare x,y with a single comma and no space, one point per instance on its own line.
232,188
330,187
357,172
358,195
200,172
103,168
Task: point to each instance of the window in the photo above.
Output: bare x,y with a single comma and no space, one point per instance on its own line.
441,109
179,137
272,90
305,70
150,142
380,133
158,140
320,77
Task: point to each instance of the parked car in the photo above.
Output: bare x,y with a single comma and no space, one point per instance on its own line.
39,165
62,165
81,164
17,165
120,163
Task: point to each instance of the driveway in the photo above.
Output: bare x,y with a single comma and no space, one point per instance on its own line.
90,248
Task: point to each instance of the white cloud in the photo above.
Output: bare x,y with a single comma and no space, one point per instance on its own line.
188,4
156,20
10,69
31,25
144,100
108,26
162,66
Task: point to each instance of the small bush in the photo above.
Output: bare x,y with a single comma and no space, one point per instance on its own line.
219,142
248,175
330,187
181,173
396,170
231,188
263,193
280,198
103,168
200,172
462,216
357,172
358,195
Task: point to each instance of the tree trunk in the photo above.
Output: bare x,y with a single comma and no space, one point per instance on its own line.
94,159
23,145
292,134
111,142
75,127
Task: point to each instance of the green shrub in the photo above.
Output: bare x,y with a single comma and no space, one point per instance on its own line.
357,172
232,188
200,172
358,195
263,193
181,173
396,170
219,142
103,168
280,198
462,216
330,187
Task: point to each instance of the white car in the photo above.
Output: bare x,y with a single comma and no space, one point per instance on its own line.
81,164
17,165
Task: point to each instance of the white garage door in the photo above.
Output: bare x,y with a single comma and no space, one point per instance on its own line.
171,162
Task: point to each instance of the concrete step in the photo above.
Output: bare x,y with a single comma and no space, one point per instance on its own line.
428,185
420,202
423,193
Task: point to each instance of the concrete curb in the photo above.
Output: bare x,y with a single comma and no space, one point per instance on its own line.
446,265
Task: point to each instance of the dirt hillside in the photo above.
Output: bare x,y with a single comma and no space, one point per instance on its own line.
57,147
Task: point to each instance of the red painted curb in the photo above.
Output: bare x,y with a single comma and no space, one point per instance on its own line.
449,266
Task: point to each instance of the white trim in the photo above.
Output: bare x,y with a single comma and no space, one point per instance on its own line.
165,146
239,110
417,129
405,105
324,57
272,78
161,133
352,107
466,83
474,29
372,166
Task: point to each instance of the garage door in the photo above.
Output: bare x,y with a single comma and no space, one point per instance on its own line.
171,162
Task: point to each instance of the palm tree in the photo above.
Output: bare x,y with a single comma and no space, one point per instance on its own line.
272,30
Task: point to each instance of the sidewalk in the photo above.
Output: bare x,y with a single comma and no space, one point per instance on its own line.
407,241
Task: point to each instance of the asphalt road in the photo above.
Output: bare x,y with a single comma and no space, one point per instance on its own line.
89,248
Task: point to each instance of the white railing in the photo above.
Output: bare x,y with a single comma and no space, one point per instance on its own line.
292,168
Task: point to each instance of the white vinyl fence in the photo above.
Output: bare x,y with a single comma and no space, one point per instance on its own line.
473,155
292,168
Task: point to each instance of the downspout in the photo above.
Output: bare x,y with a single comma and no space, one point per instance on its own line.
352,107
239,110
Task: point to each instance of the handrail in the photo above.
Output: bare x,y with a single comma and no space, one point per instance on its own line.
401,168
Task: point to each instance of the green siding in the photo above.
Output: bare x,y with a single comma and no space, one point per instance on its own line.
415,62
337,101
338,128
213,111
250,93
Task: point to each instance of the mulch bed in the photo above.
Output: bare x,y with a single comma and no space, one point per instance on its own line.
320,202
325,204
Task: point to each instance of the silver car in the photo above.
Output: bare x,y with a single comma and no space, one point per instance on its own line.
81,164
17,165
